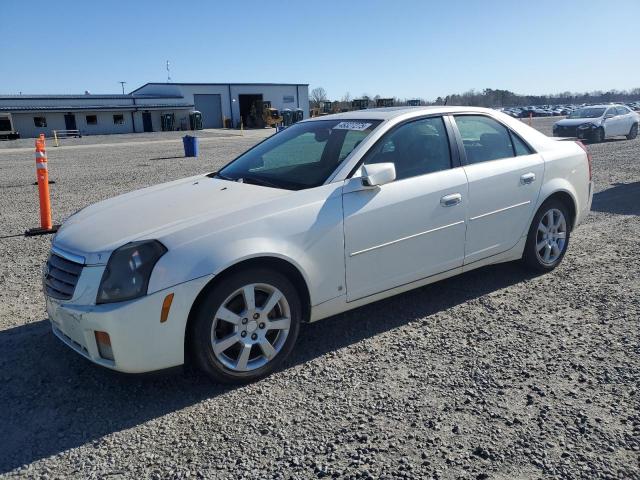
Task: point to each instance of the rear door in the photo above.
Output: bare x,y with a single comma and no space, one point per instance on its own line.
626,120
413,227
505,176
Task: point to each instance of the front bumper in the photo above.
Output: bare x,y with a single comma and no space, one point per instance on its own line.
139,341
573,131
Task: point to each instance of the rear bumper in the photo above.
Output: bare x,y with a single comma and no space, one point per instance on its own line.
586,207
139,341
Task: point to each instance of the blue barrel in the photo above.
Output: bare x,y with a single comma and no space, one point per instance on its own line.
191,146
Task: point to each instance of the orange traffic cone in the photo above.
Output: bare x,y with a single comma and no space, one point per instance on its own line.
42,175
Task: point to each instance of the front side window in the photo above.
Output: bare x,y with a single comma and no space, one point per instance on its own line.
40,121
118,119
415,148
484,138
612,112
302,156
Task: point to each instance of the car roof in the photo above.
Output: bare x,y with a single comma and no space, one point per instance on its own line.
387,113
600,106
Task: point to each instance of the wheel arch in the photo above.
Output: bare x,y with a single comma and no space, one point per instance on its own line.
278,264
565,197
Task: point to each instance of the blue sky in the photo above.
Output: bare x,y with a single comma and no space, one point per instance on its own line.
392,48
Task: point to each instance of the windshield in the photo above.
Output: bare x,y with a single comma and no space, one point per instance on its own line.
587,113
301,156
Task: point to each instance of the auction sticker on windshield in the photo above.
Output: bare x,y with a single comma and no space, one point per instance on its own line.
360,126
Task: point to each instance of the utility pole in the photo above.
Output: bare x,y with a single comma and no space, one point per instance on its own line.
122,83
168,73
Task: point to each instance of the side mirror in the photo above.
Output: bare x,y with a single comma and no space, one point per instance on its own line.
378,174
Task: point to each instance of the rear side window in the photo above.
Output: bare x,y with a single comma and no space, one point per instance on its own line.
622,110
519,146
485,139
415,148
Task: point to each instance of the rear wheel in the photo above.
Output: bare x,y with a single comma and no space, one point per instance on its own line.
246,326
633,133
548,237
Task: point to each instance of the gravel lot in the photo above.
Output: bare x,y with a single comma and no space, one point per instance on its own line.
497,374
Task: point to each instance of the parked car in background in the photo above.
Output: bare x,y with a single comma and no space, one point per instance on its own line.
330,214
598,122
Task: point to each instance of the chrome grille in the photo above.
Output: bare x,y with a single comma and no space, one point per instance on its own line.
61,277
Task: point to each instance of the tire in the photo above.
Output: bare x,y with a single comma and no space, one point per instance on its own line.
219,346
545,250
598,137
633,133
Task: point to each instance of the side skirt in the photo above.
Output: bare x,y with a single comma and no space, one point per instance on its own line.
339,305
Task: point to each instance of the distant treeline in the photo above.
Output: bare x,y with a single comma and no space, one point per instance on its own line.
505,98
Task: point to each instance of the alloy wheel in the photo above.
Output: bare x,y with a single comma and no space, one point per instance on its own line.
551,237
250,327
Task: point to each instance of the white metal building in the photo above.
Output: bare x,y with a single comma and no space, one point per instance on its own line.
231,100
141,110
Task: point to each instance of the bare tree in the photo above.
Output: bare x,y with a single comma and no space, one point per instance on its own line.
318,95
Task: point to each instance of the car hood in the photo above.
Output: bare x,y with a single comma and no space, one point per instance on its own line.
572,122
154,212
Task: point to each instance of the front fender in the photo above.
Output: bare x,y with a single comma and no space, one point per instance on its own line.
308,235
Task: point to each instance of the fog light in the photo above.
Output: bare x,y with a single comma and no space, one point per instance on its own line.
104,345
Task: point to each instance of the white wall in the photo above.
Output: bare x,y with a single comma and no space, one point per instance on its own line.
105,123
23,123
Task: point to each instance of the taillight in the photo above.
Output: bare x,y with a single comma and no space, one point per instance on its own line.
589,160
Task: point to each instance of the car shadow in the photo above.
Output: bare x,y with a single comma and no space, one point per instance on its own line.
621,199
54,400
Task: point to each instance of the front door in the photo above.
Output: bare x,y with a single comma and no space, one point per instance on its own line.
147,126
70,121
413,227
504,177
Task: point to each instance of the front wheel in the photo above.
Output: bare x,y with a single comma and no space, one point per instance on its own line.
246,326
548,237
598,136
633,133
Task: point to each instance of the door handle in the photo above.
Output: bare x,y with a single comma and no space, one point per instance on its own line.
451,200
528,178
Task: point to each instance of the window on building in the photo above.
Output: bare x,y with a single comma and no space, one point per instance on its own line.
118,119
92,119
40,121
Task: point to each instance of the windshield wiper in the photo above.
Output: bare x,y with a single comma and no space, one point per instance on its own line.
222,177
258,181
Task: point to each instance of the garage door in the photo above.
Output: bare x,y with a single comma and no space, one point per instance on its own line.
211,108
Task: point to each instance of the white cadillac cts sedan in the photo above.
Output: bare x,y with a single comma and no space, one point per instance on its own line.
328,215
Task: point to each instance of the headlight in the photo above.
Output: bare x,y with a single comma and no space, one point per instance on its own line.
128,271
586,126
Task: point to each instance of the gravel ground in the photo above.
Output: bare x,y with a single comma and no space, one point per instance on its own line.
496,374
102,140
